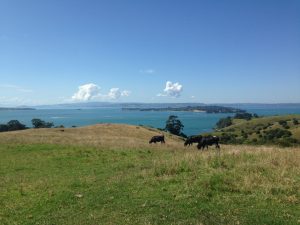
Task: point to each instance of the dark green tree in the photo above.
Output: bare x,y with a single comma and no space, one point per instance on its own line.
15,125
3,127
224,122
38,123
174,126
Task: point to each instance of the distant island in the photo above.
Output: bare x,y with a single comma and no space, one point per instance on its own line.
204,108
19,108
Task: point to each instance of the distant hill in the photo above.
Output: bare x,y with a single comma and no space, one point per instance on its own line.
282,130
204,108
16,108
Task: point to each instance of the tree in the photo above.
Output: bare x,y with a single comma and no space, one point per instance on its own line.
245,116
38,123
224,122
3,127
15,125
174,126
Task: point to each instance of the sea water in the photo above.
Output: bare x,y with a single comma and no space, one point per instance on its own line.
194,122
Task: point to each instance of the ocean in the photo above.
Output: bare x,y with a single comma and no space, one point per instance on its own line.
194,122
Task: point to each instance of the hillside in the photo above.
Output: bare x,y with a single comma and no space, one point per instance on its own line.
283,130
104,135
109,174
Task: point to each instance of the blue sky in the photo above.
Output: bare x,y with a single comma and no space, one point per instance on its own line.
149,51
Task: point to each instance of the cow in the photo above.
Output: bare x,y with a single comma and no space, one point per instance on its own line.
159,138
209,141
192,139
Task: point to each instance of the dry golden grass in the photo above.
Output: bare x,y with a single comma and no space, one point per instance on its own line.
100,135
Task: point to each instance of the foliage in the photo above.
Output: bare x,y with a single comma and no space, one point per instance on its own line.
224,122
245,116
3,127
14,125
295,121
174,126
276,134
38,123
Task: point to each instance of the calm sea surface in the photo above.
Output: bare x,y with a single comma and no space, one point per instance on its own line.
194,122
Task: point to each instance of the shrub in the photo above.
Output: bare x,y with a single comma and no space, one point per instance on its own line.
38,123
3,127
282,123
224,122
276,134
15,125
245,116
295,121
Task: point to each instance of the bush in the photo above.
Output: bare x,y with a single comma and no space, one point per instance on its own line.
227,138
224,122
295,121
282,123
276,134
38,123
15,125
3,127
245,116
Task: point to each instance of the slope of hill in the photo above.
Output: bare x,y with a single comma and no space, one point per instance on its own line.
109,174
283,130
107,135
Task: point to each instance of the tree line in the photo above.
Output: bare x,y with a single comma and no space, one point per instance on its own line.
14,125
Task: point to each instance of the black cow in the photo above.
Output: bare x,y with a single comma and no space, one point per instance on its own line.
159,138
193,139
208,141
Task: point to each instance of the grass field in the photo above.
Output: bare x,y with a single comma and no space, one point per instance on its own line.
254,131
109,174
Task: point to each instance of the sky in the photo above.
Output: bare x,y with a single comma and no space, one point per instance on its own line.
206,51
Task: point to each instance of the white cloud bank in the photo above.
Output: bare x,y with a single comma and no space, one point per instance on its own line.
172,90
91,91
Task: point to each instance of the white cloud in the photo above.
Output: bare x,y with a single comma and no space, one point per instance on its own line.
86,92
114,93
193,96
148,71
91,91
125,93
172,90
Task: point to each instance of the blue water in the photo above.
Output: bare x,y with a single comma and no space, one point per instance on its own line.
194,122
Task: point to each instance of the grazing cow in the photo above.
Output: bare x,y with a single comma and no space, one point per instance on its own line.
159,138
193,139
209,141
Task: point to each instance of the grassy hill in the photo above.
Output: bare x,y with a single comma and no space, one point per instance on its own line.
109,174
282,130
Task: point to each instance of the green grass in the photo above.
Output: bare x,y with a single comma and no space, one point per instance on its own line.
56,184
256,128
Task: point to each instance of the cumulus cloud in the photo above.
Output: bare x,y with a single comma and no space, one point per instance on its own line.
115,93
91,91
125,93
86,92
172,90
